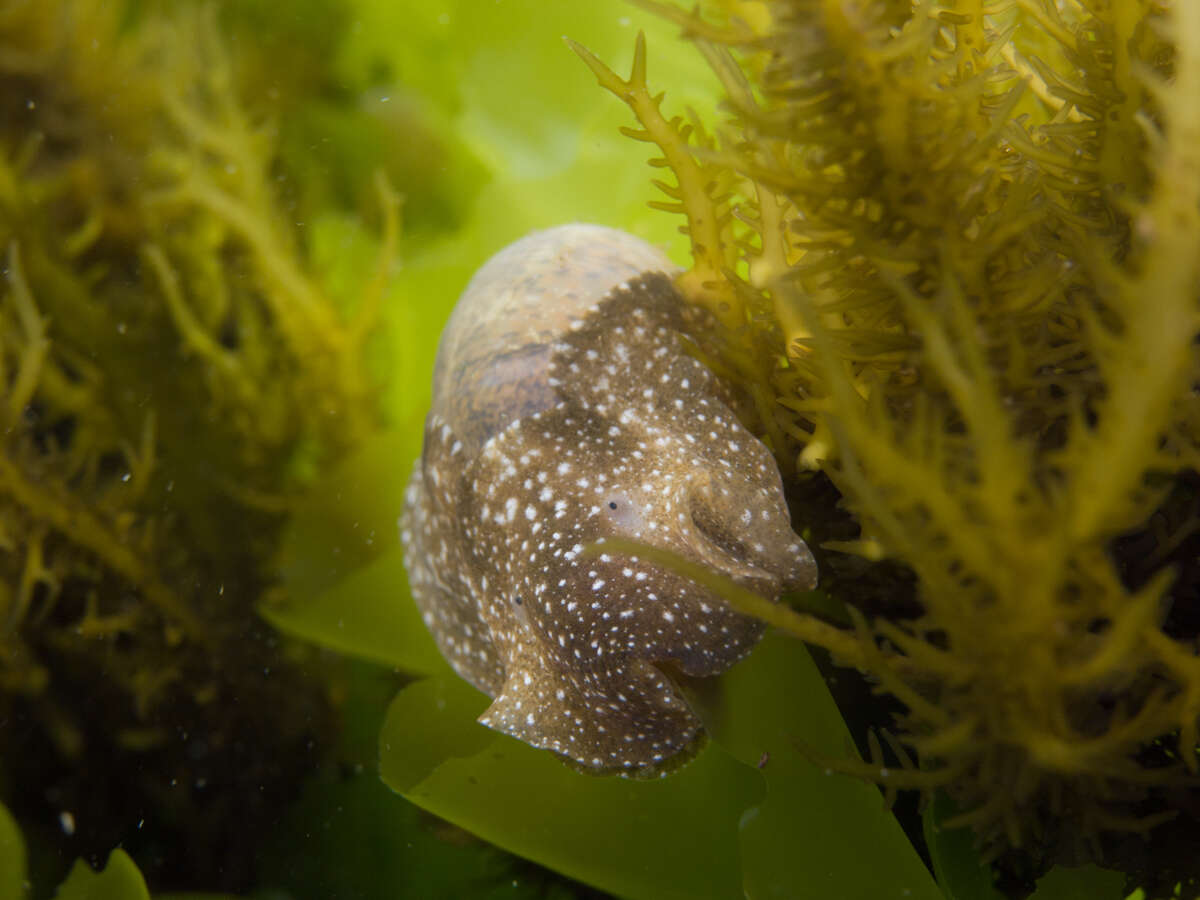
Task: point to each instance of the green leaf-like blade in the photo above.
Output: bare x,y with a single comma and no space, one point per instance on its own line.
118,880
960,871
814,832
12,857
655,839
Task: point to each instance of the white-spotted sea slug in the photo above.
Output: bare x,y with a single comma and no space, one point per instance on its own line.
566,410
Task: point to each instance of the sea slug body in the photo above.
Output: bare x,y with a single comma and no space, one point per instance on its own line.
566,410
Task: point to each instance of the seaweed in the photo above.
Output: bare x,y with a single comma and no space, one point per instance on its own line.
175,377
954,249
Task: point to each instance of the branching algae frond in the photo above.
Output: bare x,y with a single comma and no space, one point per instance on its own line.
173,376
971,234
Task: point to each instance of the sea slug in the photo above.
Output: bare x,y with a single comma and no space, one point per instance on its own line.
567,410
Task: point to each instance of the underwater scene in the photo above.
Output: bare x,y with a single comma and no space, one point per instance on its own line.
531,449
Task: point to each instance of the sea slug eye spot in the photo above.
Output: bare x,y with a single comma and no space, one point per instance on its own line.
625,515
517,600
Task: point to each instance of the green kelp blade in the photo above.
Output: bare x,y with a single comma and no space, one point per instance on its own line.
343,566
12,858
816,834
706,831
118,880
369,614
674,837
348,518
960,871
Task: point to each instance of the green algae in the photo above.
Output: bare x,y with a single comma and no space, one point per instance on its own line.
176,375
954,249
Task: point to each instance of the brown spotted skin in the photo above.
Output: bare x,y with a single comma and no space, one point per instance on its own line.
566,411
